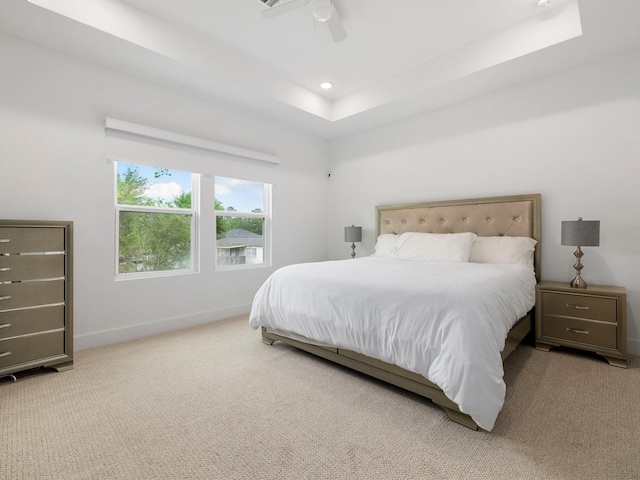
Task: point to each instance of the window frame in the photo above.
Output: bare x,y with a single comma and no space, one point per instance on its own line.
266,228
194,211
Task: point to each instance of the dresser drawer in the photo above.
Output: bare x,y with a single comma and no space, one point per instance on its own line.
27,294
31,348
572,305
31,239
30,267
31,320
601,334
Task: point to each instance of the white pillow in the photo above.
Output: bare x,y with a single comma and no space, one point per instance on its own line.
434,247
385,245
503,250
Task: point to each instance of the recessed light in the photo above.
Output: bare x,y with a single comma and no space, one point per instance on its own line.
326,85
542,3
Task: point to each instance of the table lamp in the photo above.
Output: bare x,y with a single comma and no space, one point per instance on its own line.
580,233
353,234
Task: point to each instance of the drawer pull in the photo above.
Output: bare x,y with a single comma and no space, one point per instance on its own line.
5,269
5,325
577,307
5,297
5,240
5,354
577,330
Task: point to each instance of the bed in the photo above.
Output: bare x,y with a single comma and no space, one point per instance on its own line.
418,314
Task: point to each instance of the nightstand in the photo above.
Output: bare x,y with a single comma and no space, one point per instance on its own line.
592,318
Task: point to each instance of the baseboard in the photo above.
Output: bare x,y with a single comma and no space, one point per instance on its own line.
107,337
633,346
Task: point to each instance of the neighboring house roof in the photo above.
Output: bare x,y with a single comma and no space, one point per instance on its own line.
241,233
239,237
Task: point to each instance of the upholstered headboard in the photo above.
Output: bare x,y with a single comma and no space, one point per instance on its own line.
515,216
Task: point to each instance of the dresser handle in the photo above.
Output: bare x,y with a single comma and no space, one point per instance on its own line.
5,297
577,307
5,354
577,330
5,325
5,269
5,240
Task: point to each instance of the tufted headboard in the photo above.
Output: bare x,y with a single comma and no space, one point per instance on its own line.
515,216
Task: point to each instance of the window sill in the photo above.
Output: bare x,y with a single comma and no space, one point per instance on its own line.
144,275
231,268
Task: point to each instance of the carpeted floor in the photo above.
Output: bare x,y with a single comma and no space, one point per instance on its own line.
213,402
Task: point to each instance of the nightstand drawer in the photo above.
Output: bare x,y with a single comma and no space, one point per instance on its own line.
31,239
30,267
601,334
31,320
581,306
34,347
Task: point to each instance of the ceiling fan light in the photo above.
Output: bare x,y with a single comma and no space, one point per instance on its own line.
322,10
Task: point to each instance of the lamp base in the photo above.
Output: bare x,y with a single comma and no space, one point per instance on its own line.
578,282
353,250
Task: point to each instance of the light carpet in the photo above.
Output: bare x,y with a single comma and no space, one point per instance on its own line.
213,402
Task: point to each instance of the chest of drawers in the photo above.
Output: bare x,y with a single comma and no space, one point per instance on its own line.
591,319
36,295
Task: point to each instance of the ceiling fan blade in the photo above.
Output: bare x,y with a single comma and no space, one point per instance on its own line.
284,8
335,26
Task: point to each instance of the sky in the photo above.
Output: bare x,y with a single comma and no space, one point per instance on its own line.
242,195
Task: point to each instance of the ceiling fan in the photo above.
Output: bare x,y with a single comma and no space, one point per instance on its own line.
323,11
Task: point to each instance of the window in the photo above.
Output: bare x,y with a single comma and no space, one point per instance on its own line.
242,216
156,212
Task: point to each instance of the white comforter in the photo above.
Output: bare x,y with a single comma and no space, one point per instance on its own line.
445,321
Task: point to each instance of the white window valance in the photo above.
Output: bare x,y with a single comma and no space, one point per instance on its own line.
134,143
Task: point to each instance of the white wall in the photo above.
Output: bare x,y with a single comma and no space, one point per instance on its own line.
574,138
53,167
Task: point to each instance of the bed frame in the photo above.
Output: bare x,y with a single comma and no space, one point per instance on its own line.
515,216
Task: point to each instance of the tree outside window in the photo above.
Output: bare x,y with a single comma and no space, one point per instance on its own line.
155,219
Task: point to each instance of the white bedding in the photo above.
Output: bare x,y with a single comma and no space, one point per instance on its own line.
445,321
